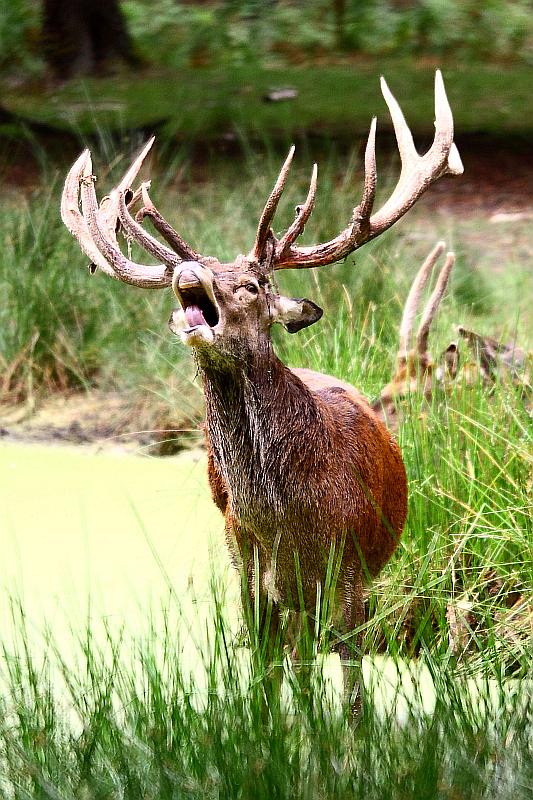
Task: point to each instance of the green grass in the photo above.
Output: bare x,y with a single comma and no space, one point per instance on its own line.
128,718
332,100
455,601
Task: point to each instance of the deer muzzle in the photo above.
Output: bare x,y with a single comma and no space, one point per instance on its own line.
200,314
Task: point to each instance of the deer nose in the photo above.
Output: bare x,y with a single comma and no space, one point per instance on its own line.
188,279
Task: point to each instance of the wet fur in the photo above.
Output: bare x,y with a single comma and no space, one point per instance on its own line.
296,466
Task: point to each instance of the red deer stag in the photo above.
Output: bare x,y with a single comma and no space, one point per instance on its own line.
298,461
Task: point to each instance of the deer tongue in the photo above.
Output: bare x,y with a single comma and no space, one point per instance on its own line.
194,316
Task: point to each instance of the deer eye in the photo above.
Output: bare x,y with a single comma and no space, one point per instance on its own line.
251,287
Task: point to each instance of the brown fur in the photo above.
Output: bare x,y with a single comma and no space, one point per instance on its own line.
298,462
298,467
417,374
307,467
414,374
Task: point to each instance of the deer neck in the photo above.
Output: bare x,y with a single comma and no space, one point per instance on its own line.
259,420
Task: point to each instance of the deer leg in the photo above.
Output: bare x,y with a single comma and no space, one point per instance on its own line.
262,616
349,646
269,651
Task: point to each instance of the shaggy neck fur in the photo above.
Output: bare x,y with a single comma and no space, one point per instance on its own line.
250,398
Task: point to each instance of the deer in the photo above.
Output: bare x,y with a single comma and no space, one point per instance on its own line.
298,462
416,373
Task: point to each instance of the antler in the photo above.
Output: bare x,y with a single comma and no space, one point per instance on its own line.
415,368
417,174
433,303
263,229
168,233
431,306
95,228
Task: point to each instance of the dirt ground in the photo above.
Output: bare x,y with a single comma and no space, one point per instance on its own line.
498,178
103,421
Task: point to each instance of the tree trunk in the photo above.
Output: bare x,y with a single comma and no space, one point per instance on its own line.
84,36
339,10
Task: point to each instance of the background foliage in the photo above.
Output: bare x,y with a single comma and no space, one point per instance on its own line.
177,34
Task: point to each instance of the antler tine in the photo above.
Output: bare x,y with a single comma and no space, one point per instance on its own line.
347,240
168,233
418,172
149,277
142,237
102,220
133,170
404,137
270,208
416,175
110,210
109,206
369,189
135,196
302,215
72,218
413,298
444,129
433,303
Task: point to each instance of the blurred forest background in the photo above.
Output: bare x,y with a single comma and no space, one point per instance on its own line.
80,36
226,87
169,58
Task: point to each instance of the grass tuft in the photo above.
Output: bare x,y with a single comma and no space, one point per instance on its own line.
135,719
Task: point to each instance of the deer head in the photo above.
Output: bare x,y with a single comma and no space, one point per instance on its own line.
494,356
224,309
224,306
415,370
495,361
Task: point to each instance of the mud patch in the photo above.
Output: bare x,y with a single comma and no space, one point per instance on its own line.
109,421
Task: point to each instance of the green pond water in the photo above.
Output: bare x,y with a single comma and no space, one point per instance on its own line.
108,541
109,535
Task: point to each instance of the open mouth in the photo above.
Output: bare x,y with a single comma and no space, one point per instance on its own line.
197,306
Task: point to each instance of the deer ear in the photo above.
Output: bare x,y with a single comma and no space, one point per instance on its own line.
295,313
